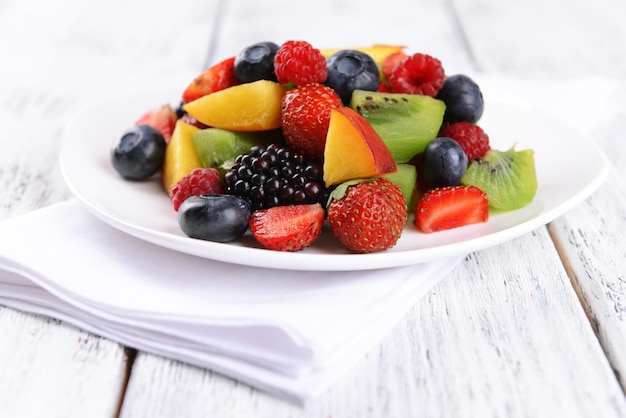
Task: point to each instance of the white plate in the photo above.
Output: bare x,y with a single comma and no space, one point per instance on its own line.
569,169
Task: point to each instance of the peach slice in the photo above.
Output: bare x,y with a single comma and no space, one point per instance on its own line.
180,156
377,52
246,107
353,149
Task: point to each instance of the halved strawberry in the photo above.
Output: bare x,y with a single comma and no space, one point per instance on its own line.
287,228
451,207
305,114
216,78
162,118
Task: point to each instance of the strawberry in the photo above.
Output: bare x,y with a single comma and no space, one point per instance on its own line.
451,207
367,215
215,78
305,113
471,137
287,228
162,118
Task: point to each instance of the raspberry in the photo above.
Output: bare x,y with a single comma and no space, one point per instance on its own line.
299,63
199,181
384,87
275,176
471,137
418,74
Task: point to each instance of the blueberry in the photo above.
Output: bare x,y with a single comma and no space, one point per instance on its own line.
256,62
443,163
350,70
214,217
139,153
463,99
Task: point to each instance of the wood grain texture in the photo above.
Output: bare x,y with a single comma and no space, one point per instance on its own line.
511,339
55,56
578,43
504,335
499,366
591,241
49,368
538,39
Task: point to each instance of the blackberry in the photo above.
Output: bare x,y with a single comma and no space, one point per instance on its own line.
275,175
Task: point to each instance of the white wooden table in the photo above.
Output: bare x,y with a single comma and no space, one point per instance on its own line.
530,328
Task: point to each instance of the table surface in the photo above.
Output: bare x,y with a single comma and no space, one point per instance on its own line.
530,328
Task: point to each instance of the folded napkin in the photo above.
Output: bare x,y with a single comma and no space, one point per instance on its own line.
284,332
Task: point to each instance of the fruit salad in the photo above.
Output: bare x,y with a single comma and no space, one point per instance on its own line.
279,140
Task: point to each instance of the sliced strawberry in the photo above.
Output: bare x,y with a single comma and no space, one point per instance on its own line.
287,228
162,118
305,114
451,207
216,78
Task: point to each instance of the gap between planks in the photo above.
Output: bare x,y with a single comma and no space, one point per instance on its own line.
131,355
569,270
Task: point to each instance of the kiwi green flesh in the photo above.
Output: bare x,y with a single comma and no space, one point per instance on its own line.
218,148
405,177
508,177
405,122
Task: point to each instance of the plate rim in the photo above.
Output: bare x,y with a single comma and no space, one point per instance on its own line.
259,257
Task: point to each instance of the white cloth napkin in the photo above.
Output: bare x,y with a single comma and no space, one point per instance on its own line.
285,332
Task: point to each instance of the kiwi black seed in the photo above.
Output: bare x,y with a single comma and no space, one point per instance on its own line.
405,122
508,178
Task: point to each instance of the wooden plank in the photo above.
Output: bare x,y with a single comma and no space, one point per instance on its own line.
493,339
49,368
591,241
432,363
586,39
421,26
56,55
545,39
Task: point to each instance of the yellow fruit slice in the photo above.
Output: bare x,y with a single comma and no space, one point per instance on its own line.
246,107
377,52
353,149
180,156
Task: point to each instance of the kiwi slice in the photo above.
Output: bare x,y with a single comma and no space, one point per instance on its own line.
405,177
218,148
405,122
508,177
